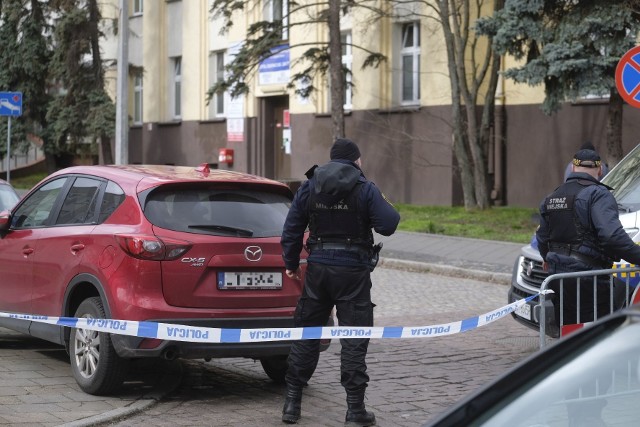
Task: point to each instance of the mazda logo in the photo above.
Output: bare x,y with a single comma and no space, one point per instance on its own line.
253,253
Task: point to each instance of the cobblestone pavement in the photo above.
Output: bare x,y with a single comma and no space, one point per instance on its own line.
38,389
412,380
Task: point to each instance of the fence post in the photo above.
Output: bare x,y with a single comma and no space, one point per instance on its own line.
542,321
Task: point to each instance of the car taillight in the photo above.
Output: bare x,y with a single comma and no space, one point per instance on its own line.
153,248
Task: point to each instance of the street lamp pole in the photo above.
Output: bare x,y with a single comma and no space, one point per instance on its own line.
122,91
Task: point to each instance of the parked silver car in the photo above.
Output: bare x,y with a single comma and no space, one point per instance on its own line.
8,196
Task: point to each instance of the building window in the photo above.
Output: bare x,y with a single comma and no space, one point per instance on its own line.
137,98
137,7
176,87
216,104
410,63
347,60
277,10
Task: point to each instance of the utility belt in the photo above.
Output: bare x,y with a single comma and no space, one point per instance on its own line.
361,249
372,253
572,252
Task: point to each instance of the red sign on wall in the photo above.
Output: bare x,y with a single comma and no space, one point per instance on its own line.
285,119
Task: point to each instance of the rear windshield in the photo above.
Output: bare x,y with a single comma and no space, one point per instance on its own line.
241,213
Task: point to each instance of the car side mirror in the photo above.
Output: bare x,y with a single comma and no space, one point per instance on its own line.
5,220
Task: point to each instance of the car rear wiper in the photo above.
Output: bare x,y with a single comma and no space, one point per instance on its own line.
238,231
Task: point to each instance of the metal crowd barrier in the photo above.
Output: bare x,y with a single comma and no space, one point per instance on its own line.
623,274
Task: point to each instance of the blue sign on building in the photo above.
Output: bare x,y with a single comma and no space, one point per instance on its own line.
275,69
10,103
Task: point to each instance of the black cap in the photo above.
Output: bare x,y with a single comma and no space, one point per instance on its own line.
344,149
586,159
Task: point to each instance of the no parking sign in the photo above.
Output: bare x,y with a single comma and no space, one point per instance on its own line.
628,77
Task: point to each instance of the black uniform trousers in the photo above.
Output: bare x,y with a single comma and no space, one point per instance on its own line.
348,288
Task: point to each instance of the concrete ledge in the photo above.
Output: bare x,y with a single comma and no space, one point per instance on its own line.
446,270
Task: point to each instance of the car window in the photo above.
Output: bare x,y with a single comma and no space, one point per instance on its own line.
35,210
242,213
599,385
8,198
79,205
113,196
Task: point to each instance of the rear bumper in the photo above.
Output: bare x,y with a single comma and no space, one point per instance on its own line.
129,347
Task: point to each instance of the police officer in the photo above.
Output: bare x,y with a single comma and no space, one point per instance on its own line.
340,207
580,231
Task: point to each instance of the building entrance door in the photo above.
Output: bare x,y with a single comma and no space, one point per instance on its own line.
277,161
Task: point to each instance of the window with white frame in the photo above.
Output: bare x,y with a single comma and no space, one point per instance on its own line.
410,63
176,88
137,98
137,7
277,10
347,60
216,67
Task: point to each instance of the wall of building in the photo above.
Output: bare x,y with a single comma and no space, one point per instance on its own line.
408,170
538,147
407,150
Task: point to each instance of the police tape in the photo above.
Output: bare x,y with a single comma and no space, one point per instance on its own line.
176,332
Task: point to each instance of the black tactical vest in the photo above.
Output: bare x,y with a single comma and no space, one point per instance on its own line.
340,221
564,227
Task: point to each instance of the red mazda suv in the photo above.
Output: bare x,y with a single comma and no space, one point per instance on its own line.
170,244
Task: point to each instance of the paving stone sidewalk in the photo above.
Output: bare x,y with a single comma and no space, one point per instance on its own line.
38,389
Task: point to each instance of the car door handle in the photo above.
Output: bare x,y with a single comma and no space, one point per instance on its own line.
77,247
27,251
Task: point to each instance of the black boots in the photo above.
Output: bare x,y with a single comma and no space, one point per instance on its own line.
357,415
292,403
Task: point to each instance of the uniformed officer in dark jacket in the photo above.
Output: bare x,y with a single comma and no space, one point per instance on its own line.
340,207
580,231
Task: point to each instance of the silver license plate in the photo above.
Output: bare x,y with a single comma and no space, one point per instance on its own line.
249,280
524,311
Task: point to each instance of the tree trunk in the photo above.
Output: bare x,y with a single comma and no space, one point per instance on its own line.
105,149
469,67
50,163
459,144
466,178
335,71
614,129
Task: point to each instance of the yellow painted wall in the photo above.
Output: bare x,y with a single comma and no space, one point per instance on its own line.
374,87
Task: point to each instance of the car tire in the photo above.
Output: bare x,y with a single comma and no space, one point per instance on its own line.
97,368
275,367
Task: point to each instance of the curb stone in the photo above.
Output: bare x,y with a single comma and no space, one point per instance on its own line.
171,381
447,270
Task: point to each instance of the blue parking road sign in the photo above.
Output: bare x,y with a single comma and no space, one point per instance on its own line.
10,103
